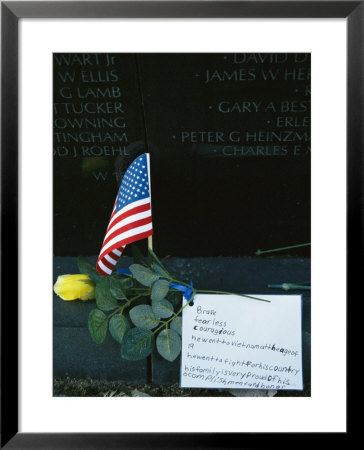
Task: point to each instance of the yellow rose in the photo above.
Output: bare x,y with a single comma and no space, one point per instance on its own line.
72,287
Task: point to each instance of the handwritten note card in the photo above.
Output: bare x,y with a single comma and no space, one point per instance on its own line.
240,343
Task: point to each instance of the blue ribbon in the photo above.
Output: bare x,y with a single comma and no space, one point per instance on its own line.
187,291
124,271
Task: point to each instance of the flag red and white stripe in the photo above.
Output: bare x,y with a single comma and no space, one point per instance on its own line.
131,218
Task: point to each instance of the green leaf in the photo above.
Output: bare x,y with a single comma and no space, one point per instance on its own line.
162,309
117,288
176,325
145,276
159,290
137,344
104,299
138,257
161,271
142,316
118,326
87,268
97,325
128,283
157,264
169,344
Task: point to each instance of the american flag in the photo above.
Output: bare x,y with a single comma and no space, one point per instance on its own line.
131,218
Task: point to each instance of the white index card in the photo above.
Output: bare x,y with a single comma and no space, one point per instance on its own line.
235,342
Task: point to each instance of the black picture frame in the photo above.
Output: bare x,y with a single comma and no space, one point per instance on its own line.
11,12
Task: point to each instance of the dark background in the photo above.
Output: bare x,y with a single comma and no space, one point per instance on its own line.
208,198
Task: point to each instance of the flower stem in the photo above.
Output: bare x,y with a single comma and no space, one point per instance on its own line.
176,314
125,305
260,252
231,293
218,292
113,313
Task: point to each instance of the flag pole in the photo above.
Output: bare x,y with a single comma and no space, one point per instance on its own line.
150,242
150,238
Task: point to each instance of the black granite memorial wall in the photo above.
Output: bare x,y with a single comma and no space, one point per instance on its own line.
229,138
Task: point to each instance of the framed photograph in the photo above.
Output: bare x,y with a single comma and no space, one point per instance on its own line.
216,96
